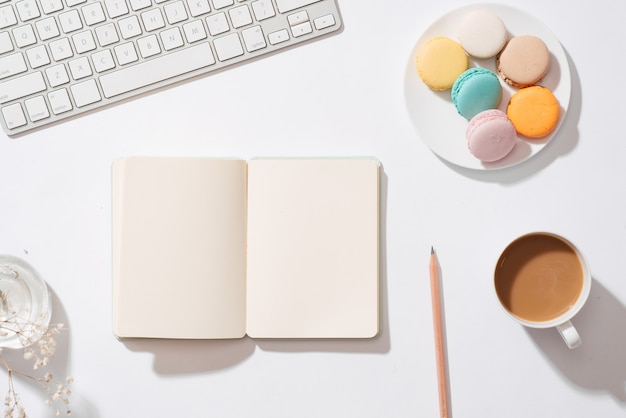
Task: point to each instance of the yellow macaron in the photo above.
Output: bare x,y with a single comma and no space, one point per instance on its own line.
534,111
440,61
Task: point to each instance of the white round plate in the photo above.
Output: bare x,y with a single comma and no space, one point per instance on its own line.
434,116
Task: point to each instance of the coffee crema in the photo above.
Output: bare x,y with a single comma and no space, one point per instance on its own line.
538,277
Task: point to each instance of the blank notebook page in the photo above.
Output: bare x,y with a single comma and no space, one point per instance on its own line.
179,247
313,249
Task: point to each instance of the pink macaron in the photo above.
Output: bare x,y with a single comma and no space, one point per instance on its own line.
490,135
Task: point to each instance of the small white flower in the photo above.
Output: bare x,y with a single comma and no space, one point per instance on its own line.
40,353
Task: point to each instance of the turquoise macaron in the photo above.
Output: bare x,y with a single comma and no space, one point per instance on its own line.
476,90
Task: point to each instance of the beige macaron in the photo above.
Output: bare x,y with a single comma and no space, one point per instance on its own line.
524,61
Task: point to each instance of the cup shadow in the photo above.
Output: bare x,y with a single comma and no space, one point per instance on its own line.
598,364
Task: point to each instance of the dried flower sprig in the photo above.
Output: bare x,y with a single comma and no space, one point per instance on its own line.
57,392
38,341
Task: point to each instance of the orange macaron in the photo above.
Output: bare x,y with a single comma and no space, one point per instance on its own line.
534,111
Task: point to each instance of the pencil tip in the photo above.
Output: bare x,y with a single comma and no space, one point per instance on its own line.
432,250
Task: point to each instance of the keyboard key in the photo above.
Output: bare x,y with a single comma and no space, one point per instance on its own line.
301,29
116,8
24,36
126,53
84,42
129,27
263,9
61,49
175,12
228,47
149,46
297,18
220,4
198,7
14,116
240,16
103,60
38,56
140,4
80,68
253,38
11,65
57,75
153,19
278,36
157,69
70,21
324,22
47,28
36,108
107,34
7,17
85,93
59,101
194,31
17,88
51,6
285,6
27,10
93,13
217,24
6,44
171,39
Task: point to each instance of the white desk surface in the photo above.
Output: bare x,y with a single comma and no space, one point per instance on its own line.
345,95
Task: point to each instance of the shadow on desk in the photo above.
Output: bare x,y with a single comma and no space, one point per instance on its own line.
200,356
598,364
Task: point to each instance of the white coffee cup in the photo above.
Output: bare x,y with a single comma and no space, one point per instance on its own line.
542,280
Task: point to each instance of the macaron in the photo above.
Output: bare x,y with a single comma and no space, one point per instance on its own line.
490,135
524,61
475,90
482,33
440,61
534,111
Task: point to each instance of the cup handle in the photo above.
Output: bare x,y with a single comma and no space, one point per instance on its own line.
569,334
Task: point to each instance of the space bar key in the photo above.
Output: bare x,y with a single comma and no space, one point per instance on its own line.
157,70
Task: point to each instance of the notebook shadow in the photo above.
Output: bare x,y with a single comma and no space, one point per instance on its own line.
598,364
193,356
202,356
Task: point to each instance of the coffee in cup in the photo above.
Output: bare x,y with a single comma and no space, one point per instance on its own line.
542,280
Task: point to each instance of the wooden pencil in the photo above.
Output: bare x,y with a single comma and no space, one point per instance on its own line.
438,326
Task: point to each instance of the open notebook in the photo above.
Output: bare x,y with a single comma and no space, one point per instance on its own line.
219,248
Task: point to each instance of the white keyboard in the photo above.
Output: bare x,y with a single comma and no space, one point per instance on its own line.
59,58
